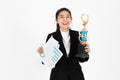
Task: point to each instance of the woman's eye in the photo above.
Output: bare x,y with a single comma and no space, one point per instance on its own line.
61,17
68,16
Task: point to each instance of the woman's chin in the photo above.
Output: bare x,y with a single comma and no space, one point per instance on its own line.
66,26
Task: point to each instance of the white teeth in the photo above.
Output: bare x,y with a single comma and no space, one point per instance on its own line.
65,23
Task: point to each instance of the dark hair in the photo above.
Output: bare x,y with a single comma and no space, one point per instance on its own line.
58,12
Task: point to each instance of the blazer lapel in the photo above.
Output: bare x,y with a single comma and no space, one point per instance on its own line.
71,43
59,38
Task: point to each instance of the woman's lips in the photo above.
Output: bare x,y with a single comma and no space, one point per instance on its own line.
65,23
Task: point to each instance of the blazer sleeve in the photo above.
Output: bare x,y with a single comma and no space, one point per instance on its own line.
81,55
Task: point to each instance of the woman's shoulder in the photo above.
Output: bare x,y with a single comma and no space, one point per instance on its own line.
50,34
74,31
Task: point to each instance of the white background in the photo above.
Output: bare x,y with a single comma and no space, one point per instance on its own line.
24,25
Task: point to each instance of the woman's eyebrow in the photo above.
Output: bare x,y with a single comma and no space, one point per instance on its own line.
68,14
61,15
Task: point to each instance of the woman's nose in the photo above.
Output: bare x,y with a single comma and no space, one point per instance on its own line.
65,19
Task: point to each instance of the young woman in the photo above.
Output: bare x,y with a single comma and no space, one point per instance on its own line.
68,67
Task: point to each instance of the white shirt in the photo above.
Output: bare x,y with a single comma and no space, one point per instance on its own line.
66,41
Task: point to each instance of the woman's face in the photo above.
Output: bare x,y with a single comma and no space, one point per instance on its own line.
64,20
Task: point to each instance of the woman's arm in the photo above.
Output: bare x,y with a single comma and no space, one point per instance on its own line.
82,51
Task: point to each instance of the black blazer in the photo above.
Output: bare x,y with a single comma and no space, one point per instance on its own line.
67,68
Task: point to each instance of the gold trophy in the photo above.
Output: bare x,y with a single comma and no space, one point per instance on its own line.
83,32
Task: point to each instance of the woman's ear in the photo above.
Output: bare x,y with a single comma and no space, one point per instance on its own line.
56,21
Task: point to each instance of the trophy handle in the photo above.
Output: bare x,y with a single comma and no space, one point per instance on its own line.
85,19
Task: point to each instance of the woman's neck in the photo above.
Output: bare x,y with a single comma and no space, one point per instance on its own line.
64,30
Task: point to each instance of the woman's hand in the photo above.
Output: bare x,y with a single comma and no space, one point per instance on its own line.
40,50
87,47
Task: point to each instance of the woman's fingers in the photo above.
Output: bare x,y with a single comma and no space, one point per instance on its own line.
40,50
87,48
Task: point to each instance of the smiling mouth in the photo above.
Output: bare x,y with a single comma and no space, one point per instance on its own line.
65,23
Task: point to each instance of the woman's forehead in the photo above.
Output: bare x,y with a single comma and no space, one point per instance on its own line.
64,13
